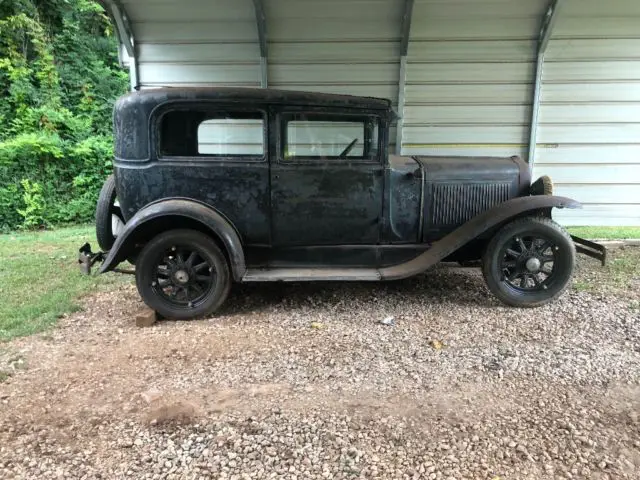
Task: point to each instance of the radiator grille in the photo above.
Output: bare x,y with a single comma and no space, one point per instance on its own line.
454,203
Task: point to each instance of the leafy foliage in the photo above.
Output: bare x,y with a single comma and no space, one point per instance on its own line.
59,77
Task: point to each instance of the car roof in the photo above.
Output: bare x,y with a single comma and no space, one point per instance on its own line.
266,95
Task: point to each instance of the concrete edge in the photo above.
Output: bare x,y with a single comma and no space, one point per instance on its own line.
619,243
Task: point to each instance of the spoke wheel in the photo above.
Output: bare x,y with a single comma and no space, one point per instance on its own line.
182,274
529,262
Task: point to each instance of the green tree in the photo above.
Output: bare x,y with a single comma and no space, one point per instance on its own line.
59,78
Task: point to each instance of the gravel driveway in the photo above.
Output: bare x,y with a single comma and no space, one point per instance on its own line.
303,381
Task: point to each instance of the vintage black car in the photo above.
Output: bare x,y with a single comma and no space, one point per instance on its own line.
219,185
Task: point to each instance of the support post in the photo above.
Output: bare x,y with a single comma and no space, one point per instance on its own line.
548,22
402,73
261,22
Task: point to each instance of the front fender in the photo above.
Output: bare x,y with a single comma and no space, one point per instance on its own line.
472,229
179,207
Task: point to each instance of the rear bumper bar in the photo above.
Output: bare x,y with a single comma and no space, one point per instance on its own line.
87,259
591,249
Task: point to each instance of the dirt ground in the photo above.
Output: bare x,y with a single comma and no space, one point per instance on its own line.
303,381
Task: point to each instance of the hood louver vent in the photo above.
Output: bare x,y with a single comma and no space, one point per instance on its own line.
455,204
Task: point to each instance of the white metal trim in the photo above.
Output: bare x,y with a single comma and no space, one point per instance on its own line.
548,22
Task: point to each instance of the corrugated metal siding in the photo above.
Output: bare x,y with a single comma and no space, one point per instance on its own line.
469,76
589,135
199,42
336,46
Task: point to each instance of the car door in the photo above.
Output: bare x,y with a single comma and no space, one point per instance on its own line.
326,188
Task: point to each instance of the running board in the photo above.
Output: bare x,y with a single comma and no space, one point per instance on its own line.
312,275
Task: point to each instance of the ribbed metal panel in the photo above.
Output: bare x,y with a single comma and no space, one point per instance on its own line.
455,203
469,75
589,134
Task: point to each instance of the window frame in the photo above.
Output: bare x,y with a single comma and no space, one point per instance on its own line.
214,108
285,116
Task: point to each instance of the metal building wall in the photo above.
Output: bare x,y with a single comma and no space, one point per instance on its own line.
336,46
196,42
469,76
589,133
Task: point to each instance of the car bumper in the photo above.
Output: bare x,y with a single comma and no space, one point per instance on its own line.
591,249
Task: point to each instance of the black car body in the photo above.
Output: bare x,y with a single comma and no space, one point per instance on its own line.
301,186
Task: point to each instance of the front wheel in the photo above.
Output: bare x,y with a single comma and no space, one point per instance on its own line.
182,274
529,262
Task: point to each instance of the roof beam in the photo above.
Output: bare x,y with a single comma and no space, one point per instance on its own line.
261,22
405,31
546,29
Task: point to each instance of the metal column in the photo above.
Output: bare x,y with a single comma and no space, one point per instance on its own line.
402,74
261,22
548,22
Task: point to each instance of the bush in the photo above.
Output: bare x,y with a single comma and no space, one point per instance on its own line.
59,77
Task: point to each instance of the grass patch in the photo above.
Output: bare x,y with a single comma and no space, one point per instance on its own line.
621,274
40,280
606,233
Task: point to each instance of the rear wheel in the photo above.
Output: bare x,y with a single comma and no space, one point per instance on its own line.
529,262
182,274
109,219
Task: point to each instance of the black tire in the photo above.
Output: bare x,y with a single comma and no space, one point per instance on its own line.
105,208
507,255
542,186
166,279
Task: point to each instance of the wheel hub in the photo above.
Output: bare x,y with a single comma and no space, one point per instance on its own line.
181,277
533,265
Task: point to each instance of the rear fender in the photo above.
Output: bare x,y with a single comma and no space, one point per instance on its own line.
472,229
208,219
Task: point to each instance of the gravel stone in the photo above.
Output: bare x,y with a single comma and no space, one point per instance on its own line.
256,393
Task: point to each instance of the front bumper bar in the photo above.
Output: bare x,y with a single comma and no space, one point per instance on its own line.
591,249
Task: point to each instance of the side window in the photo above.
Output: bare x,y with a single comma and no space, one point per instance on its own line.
212,134
330,137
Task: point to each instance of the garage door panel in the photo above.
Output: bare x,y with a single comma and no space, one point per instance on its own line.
459,114
600,49
333,73
360,10
585,154
596,27
600,194
466,94
570,93
442,29
199,53
199,11
589,71
476,73
591,174
285,30
488,9
477,135
195,32
465,151
589,133
594,113
472,51
168,74
327,52
600,215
